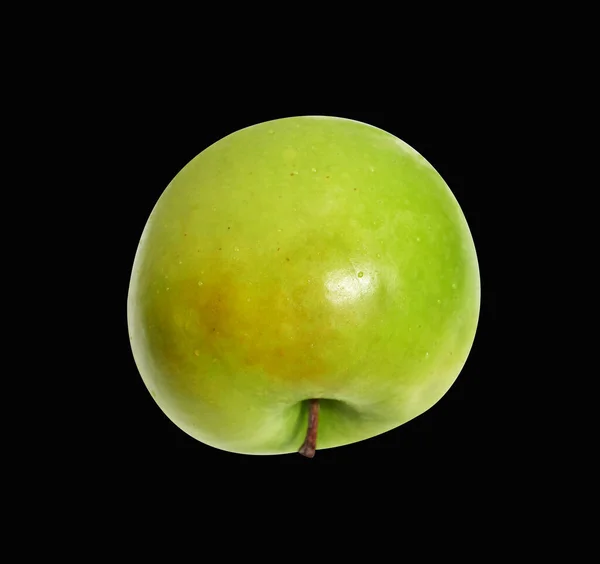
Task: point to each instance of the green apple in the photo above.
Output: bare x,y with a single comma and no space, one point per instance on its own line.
307,272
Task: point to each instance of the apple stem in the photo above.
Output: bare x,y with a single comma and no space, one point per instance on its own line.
310,443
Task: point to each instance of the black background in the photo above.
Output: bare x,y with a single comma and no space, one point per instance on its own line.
151,145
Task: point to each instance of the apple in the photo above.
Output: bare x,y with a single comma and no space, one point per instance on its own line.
303,283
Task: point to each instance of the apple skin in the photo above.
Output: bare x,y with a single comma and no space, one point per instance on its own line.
305,257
